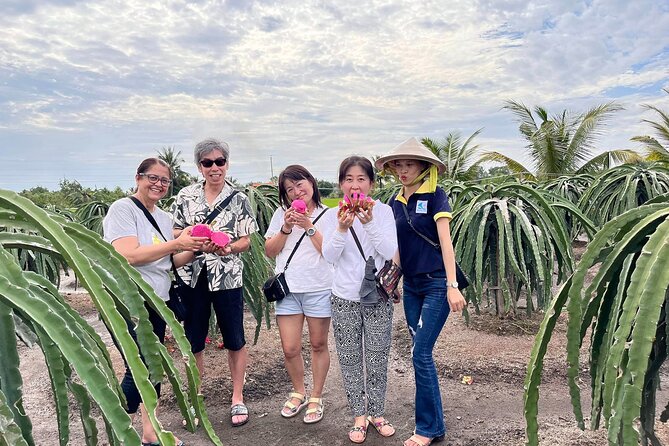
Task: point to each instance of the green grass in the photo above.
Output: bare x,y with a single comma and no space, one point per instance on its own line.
331,202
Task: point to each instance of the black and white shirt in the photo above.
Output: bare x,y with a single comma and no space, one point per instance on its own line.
236,219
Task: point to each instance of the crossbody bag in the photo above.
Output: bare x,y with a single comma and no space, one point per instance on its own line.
388,278
460,276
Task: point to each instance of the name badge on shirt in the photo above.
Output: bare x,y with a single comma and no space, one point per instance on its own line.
421,207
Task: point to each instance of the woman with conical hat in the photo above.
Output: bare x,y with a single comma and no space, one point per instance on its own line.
422,217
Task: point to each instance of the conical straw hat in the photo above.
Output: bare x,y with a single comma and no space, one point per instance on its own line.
411,149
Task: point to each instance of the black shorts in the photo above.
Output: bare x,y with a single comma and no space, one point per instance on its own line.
229,308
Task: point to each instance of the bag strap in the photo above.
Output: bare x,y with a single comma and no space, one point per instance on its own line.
217,210
357,242
290,257
424,237
148,216
153,222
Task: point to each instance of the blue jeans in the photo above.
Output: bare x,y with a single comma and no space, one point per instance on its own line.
426,309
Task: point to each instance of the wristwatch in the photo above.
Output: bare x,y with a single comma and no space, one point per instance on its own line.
311,231
452,284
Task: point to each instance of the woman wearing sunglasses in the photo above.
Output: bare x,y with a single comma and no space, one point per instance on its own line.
216,274
129,231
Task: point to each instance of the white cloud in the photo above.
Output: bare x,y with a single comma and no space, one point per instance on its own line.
315,81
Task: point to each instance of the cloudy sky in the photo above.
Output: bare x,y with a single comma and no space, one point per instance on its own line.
89,88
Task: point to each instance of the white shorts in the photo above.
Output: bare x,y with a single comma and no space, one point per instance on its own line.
311,304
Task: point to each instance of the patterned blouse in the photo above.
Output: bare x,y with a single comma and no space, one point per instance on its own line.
236,219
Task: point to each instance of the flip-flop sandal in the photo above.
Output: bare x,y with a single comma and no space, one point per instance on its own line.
362,430
294,410
379,425
239,409
319,411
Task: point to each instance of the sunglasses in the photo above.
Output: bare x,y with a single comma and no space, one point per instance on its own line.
220,162
153,179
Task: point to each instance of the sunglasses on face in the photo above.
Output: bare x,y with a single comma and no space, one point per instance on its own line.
153,179
220,162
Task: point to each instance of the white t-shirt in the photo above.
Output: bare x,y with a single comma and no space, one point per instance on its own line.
307,271
125,219
378,239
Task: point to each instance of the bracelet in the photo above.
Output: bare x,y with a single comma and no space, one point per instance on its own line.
284,232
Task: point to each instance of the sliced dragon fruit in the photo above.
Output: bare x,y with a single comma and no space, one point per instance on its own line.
220,239
299,205
201,231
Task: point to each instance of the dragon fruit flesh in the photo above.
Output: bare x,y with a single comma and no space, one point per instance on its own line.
201,231
220,239
299,205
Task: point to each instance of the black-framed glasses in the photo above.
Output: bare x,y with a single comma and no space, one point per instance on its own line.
220,162
153,179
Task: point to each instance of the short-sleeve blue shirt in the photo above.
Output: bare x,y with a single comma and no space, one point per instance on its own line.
424,208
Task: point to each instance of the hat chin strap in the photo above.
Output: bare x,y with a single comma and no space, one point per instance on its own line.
432,174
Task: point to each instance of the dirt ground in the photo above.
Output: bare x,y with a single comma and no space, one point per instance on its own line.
487,412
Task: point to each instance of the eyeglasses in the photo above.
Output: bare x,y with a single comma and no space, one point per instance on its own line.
220,162
153,179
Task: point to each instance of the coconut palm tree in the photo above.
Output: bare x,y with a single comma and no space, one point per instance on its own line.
458,156
173,158
657,149
562,143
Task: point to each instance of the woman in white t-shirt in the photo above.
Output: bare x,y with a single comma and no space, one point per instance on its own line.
309,279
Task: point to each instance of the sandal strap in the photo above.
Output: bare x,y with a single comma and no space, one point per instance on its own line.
418,441
296,395
239,409
318,401
361,429
289,404
317,410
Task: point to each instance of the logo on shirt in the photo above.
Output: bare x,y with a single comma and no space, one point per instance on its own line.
421,207
156,240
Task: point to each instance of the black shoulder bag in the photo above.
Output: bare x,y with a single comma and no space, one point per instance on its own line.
460,276
276,287
386,280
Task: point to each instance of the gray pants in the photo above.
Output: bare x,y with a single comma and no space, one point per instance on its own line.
363,332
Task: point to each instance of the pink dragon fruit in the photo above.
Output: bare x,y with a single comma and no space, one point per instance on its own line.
220,239
299,205
201,231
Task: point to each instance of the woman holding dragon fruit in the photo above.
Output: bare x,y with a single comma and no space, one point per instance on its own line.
148,249
297,222
358,239
216,273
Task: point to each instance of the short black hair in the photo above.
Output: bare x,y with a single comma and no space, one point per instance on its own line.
356,160
295,172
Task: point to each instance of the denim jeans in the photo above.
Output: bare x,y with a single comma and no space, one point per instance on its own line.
426,309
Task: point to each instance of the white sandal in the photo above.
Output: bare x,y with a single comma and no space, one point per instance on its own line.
294,410
319,411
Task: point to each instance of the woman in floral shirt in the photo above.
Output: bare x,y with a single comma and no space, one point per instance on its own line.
216,274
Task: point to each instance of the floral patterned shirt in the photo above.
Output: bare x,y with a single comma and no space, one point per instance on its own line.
236,219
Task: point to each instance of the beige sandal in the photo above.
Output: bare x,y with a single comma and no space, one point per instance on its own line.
379,425
294,410
319,411
362,430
